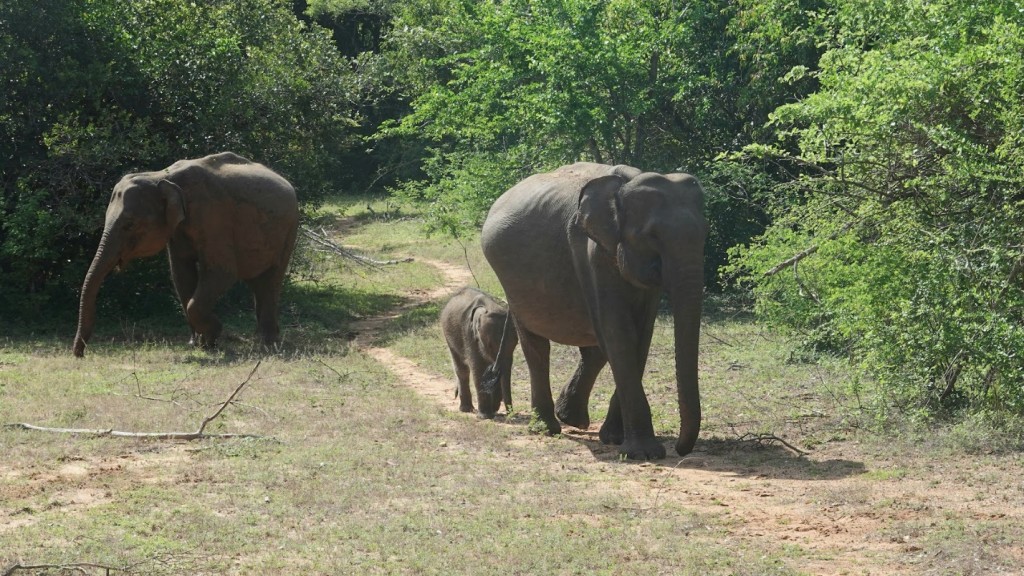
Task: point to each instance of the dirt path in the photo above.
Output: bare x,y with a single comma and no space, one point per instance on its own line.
854,513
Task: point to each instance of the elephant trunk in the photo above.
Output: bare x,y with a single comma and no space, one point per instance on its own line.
102,263
687,293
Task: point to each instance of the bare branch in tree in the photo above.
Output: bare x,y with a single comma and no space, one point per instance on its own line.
805,253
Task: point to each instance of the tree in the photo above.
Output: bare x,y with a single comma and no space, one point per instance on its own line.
909,206
500,90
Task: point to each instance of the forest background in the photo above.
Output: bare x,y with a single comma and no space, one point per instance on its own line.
862,158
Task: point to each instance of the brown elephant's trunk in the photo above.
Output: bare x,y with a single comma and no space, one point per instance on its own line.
102,263
687,293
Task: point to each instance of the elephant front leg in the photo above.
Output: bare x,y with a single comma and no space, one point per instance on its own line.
185,277
462,390
537,352
211,286
573,403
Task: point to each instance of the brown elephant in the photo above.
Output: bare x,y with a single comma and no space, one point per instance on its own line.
476,328
583,254
222,218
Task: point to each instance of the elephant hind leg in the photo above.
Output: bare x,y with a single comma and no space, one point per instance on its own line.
266,291
573,402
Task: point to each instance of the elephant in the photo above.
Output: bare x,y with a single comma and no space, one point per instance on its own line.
221,217
476,327
583,254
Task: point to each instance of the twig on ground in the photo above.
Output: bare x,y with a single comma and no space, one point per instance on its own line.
197,435
768,439
76,567
333,369
325,244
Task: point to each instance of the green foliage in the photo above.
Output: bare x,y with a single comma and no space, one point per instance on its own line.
94,89
501,90
912,172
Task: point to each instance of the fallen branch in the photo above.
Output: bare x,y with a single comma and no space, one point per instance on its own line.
769,438
197,435
77,567
325,244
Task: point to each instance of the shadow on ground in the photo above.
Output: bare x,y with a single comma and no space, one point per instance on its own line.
735,457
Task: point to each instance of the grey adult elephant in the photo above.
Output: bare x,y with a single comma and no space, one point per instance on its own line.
221,217
473,324
583,254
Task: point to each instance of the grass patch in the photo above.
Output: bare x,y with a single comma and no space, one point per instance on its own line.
361,475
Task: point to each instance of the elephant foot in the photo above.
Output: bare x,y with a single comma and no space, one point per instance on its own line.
486,415
79,348
466,408
575,417
642,449
611,434
549,426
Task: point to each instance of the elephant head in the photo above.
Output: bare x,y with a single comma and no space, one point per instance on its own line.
141,217
497,338
653,226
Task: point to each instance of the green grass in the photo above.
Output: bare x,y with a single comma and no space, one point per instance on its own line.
359,474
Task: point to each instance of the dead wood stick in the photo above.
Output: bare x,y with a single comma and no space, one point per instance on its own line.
759,438
197,435
76,567
326,245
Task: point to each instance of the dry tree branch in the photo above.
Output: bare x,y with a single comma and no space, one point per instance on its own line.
199,434
325,244
769,438
76,567
805,253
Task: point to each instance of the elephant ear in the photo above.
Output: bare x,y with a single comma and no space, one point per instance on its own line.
484,337
174,202
598,211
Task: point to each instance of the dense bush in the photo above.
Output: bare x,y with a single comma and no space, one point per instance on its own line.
95,89
910,209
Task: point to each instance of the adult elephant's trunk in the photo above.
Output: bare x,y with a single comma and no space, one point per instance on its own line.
686,294
102,263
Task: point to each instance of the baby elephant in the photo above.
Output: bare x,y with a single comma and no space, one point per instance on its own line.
473,323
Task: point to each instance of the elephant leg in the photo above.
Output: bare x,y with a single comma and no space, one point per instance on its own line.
537,352
462,374
611,430
185,277
266,290
487,403
627,347
573,402
211,286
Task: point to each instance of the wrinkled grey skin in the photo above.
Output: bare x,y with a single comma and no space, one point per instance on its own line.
473,322
584,253
222,219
